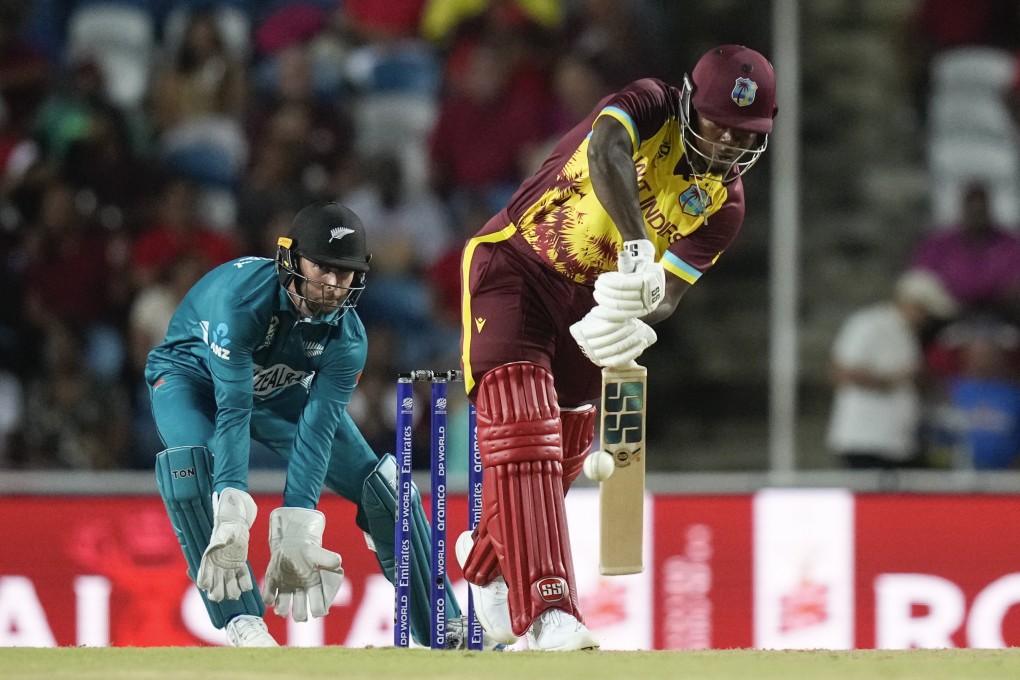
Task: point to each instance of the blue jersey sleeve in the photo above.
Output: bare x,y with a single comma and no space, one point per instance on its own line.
322,416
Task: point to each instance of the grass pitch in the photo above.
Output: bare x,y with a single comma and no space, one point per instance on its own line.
337,663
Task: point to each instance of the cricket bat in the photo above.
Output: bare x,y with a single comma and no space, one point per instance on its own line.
622,495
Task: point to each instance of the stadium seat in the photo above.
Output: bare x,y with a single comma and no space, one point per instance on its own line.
210,150
972,68
954,161
398,123
121,37
234,25
964,115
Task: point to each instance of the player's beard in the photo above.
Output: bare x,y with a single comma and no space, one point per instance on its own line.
315,305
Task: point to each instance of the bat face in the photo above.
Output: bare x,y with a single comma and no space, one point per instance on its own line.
622,495
623,424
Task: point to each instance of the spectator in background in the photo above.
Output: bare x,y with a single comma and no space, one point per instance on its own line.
198,103
74,418
444,22
415,228
176,232
203,78
578,85
18,154
976,260
123,184
156,303
383,22
938,25
487,127
320,128
24,71
877,362
273,183
67,113
71,271
985,398
623,35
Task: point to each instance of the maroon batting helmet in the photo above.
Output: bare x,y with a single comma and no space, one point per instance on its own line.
734,86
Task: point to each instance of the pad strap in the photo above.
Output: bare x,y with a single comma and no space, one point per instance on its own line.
519,438
379,503
184,478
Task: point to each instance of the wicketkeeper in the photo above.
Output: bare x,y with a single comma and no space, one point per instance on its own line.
631,208
271,351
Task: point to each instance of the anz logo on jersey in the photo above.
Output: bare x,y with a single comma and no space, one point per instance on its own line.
216,339
270,379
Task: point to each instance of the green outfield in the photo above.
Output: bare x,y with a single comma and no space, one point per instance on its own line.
336,663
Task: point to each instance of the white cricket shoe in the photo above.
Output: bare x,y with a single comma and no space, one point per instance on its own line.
557,631
491,600
249,631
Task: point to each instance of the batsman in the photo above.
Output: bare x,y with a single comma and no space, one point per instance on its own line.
633,205
271,351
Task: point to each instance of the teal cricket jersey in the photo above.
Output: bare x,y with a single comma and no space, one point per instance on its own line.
238,333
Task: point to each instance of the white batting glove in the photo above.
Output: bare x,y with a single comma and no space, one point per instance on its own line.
223,572
638,285
302,575
609,343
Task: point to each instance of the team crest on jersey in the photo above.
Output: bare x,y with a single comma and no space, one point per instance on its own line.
276,377
314,349
744,91
695,202
270,333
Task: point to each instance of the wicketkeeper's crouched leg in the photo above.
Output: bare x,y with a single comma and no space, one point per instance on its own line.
523,514
184,478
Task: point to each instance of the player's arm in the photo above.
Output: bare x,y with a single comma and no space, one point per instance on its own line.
614,176
320,420
638,287
304,577
675,289
230,338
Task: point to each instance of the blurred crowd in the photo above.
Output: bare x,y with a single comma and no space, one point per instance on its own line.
143,142
930,377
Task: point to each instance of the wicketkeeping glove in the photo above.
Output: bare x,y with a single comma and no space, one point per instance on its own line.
638,285
302,575
611,343
223,572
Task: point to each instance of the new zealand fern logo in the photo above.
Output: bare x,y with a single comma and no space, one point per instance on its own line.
338,233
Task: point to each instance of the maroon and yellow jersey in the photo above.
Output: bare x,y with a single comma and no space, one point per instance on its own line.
558,214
